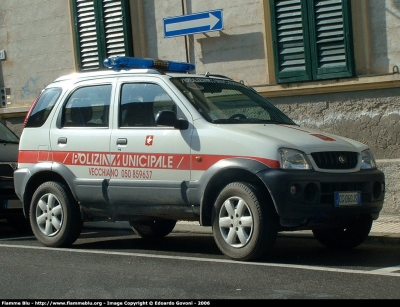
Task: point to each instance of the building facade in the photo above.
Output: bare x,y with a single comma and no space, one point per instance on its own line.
332,65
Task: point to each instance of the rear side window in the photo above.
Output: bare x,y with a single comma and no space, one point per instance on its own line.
41,110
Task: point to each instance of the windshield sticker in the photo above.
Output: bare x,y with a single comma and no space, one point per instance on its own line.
208,80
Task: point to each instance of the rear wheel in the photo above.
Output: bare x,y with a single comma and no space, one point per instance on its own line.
244,226
346,237
54,215
153,228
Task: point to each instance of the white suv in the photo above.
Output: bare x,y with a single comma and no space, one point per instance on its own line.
149,143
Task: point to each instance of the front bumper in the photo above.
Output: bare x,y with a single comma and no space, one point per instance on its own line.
305,199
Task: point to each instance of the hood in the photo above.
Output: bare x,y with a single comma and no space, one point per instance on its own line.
295,137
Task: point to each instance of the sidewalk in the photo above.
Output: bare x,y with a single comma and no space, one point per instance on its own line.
386,227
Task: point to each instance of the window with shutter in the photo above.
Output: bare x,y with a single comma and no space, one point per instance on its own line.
102,29
312,39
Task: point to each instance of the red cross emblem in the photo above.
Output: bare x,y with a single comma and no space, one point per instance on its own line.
149,140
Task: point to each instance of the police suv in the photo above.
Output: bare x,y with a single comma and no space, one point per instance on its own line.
150,143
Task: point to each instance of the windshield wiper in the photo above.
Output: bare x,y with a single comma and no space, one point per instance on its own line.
249,121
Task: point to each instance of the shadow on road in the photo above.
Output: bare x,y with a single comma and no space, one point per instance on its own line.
289,250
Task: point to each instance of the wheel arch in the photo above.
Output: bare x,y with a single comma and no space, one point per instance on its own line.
231,170
40,175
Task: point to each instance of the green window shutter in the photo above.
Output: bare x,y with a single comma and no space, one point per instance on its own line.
311,39
117,28
290,40
86,35
102,29
330,31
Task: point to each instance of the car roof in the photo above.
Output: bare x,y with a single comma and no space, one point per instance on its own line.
111,73
77,77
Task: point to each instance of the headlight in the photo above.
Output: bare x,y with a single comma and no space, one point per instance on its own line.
367,159
293,159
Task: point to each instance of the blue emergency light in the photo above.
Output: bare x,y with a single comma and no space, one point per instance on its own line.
122,62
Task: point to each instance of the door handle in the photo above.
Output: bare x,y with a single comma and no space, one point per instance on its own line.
122,141
62,140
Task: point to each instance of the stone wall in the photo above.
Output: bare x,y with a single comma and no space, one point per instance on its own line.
392,177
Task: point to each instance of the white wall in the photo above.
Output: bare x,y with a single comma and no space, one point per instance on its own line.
385,35
36,36
237,51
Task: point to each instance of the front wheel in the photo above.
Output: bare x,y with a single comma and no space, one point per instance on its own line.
244,225
54,215
153,228
346,237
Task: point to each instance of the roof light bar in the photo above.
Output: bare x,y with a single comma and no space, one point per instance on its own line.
121,62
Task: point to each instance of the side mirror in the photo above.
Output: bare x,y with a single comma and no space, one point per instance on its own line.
168,118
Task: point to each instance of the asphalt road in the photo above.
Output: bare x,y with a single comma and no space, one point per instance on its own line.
115,264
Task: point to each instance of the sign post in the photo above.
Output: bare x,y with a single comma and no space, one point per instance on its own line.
194,23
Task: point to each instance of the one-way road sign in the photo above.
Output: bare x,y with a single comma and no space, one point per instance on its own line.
193,23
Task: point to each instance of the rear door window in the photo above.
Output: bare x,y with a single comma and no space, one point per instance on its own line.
88,107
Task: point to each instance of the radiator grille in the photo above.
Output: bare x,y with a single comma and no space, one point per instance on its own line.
335,159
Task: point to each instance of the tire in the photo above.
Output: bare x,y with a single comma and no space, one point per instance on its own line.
244,226
54,215
153,229
347,237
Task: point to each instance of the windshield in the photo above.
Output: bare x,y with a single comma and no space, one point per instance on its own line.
224,101
6,135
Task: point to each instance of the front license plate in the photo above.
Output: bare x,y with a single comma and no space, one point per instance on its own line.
347,199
